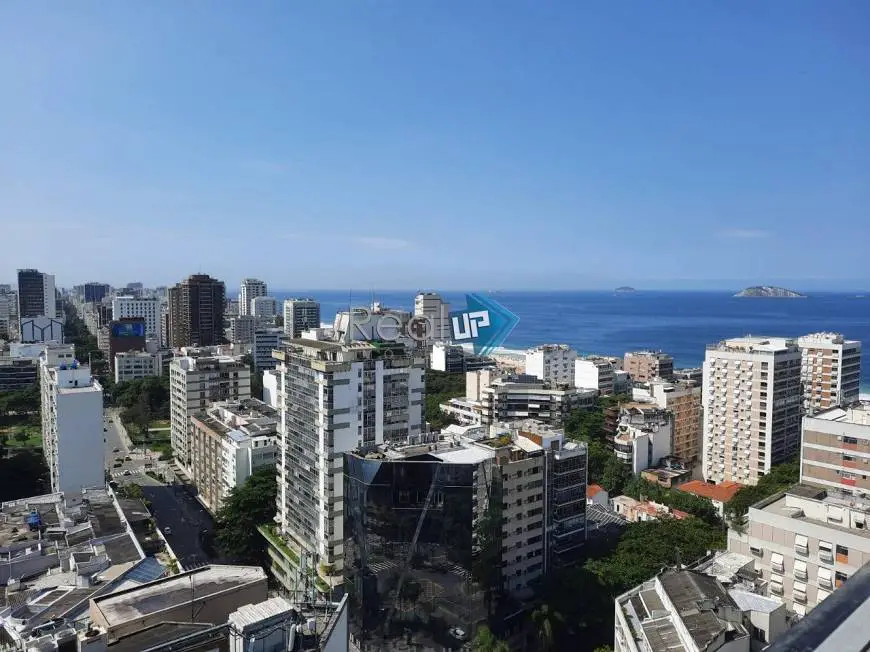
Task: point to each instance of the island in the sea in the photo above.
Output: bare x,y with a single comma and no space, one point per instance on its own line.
770,291
624,289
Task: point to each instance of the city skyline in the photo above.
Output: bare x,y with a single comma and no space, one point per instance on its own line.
649,146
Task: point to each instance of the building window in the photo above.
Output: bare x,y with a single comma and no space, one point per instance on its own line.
801,544
800,569
839,578
777,562
826,552
842,554
826,578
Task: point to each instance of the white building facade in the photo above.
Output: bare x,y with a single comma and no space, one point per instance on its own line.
72,422
264,308
752,407
194,383
552,363
250,289
437,311
830,370
334,398
148,309
594,373
133,365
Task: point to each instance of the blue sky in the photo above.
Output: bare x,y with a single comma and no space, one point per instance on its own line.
437,143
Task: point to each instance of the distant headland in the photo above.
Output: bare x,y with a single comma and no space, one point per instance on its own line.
624,289
770,291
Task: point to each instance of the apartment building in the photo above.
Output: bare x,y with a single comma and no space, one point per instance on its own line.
683,400
644,435
514,503
830,370
36,294
135,365
72,422
806,543
835,451
436,311
264,308
752,407
300,315
241,329
643,366
265,341
453,358
228,442
594,372
510,397
334,397
250,289
195,381
713,607
149,309
196,311
94,292
552,363
8,314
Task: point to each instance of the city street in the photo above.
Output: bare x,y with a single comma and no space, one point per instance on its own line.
173,505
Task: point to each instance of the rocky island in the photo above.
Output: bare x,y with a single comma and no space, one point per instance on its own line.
770,291
624,289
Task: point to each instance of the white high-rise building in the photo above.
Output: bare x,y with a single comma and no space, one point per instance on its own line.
263,307
552,363
300,315
72,422
249,290
752,407
830,370
334,398
196,381
433,307
147,308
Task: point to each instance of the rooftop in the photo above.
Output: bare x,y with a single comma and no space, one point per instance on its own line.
751,344
169,592
813,505
593,490
856,414
699,602
722,492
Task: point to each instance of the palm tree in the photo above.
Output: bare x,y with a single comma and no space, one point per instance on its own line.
546,620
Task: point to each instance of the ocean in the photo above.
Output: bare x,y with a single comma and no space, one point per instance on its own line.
679,323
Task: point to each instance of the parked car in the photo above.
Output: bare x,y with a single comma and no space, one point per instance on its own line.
116,450
128,472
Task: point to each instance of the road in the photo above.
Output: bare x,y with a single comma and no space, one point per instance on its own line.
173,505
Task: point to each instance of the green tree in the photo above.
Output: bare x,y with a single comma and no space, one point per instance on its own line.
486,641
21,436
547,621
647,547
440,388
615,475
256,377
245,508
780,478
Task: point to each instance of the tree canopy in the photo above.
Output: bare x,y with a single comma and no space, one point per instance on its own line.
780,478
694,505
22,474
441,387
245,508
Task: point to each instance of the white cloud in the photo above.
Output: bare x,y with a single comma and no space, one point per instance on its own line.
377,242
745,234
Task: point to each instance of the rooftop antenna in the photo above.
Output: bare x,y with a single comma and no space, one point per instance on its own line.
348,333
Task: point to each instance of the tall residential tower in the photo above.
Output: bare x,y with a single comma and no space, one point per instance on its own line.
196,312
752,407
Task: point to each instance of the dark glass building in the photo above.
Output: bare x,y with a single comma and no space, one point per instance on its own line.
414,545
95,292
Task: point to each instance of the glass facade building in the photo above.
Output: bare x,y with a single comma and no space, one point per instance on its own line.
417,548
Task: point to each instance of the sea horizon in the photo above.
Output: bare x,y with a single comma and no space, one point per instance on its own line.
679,322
